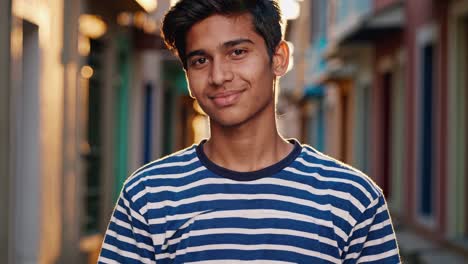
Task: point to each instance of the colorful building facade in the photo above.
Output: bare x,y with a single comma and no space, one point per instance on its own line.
395,98
88,94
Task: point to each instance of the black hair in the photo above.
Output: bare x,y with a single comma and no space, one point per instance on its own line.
265,14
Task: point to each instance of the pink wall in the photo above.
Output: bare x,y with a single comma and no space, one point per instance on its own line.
418,14
442,123
382,4
384,46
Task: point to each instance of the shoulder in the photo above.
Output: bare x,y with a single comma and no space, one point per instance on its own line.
173,164
338,176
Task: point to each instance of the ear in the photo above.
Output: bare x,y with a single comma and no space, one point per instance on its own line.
280,60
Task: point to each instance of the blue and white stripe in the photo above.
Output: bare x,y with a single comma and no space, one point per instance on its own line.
314,210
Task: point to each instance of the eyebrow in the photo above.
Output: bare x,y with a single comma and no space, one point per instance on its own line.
235,42
225,45
195,53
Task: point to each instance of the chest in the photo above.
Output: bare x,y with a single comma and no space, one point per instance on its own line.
241,223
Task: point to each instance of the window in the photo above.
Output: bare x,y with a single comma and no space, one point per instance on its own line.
426,131
385,104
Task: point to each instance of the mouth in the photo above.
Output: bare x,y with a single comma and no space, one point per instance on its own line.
226,98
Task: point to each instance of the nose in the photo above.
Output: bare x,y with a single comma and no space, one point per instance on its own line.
221,72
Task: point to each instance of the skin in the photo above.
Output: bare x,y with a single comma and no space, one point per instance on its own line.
233,79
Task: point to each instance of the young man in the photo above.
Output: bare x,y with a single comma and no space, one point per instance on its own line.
245,195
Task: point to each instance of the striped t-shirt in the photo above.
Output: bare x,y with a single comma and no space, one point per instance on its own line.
307,208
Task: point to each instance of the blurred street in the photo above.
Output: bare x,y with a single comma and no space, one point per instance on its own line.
89,93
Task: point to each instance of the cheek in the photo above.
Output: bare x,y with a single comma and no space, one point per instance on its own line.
260,68
259,77
194,86
255,73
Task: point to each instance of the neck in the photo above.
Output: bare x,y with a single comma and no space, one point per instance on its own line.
247,147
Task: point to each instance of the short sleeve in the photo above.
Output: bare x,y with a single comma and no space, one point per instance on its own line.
372,240
127,239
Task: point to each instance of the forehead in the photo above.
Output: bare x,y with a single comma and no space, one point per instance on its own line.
215,30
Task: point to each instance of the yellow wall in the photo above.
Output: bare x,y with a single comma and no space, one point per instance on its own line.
47,15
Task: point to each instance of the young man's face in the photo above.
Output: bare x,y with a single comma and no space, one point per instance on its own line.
229,70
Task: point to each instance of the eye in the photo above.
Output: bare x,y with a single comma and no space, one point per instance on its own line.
198,61
238,52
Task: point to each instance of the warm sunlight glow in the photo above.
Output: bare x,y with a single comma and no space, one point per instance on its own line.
290,8
37,13
84,45
148,5
139,19
87,72
92,26
291,55
150,26
200,126
124,19
197,108
16,41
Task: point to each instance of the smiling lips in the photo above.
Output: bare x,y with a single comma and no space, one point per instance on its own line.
226,98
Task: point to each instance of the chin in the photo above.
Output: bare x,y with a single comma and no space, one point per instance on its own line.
228,122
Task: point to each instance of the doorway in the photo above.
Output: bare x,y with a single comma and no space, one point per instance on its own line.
386,114
426,177
26,179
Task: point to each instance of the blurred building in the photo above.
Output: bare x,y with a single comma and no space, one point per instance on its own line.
5,221
290,85
88,94
386,81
